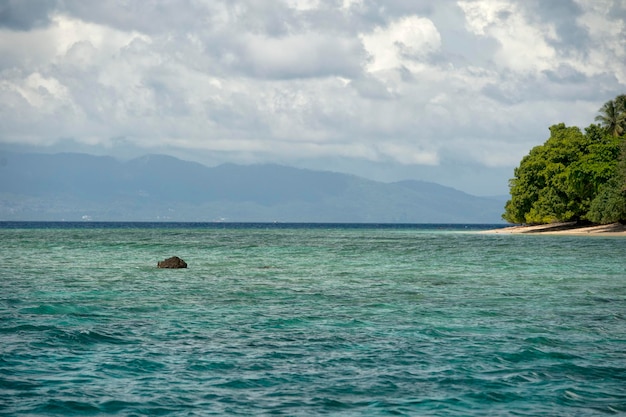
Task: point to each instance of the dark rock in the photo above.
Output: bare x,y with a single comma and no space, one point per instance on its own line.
173,262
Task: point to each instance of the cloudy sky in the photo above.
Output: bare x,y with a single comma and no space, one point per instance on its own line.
454,92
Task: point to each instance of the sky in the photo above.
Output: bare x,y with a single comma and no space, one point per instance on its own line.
454,92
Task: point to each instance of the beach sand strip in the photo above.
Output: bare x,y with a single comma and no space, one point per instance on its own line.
568,228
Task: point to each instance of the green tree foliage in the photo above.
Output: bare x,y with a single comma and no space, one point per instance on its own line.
561,179
609,206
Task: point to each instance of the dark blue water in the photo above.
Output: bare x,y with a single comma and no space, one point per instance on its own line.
300,320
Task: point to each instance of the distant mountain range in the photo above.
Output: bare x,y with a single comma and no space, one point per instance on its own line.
71,186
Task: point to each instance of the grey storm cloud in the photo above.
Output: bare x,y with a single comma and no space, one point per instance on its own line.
24,15
563,14
460,89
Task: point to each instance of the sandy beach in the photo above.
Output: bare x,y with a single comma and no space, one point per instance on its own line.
571,228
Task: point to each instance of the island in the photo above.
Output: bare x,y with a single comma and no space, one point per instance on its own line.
575,182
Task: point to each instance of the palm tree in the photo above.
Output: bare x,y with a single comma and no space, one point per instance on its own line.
613,115
620,102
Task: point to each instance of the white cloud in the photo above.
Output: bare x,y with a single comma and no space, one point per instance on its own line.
608,40
301,55
68,31
348,4
41,92
408,154
524,46
528,44
303,4
401,42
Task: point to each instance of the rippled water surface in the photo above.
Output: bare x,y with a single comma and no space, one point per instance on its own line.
310,320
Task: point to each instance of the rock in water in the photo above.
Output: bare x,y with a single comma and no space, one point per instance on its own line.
173,262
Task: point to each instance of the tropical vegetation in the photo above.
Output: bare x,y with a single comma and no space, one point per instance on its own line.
574,176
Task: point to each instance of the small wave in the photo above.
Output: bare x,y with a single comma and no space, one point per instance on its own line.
68,407
117,406
15,384
58,309
252,383
592,399
23,328
534,353
133,367
543,341
91,337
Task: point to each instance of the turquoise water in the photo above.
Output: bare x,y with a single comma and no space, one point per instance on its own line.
310,320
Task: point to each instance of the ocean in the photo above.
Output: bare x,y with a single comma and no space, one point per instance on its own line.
309,319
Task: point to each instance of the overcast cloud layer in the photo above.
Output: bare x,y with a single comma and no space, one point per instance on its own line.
450,91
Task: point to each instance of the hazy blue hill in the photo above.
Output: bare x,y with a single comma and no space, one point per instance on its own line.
448,198
160,178
157,187
41,174
274,184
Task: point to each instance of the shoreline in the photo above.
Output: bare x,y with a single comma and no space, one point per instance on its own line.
568,228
